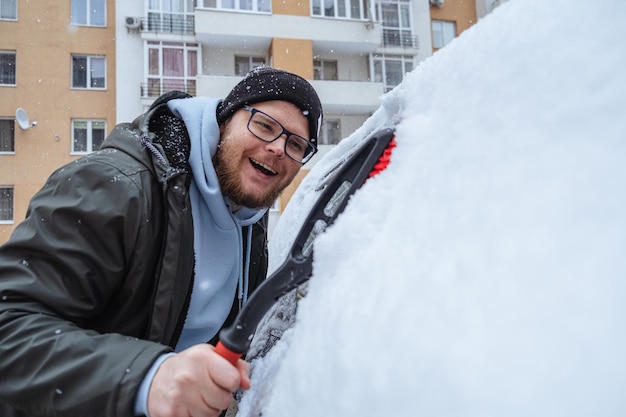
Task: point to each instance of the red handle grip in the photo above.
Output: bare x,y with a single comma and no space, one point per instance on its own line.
226,353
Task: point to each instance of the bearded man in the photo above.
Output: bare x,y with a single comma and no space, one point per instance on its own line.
131,259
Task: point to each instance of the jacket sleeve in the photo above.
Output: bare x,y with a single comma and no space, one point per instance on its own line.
58,271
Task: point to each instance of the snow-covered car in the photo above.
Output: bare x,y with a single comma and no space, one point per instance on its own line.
483,273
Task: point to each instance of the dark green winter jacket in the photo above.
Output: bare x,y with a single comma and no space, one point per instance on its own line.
95,283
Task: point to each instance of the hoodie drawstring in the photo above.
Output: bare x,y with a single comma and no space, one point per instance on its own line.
244,279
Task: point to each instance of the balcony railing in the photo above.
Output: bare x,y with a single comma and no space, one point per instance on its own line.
399,38
169,23
155,87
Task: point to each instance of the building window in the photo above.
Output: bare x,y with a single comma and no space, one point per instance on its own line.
390,69
245,64
7,135
331,132
171,66
171,16
325,70
89,12
87,135
6,204
88,72
395,16
8,9
7,68
264,6
443,33
347,9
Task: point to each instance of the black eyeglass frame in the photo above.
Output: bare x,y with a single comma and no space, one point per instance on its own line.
311,148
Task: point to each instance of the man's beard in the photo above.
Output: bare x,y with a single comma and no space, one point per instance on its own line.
228,176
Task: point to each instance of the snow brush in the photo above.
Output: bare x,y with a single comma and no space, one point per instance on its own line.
368,159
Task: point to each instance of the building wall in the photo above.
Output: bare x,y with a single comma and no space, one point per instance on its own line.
422,28
44,41
293,8
221,61
129,50
463,12
294,55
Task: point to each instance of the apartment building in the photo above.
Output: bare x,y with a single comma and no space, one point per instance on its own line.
57,65
77,67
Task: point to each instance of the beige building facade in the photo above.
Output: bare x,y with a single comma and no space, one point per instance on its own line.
58,65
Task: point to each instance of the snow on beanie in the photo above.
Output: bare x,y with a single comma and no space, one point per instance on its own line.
266,84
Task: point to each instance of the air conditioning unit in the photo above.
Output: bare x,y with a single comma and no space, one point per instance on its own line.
133,22
437,3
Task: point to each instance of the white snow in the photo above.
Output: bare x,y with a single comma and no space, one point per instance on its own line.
483,273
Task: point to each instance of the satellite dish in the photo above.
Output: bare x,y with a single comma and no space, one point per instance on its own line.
22,119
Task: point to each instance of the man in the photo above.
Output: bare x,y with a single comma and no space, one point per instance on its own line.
134,257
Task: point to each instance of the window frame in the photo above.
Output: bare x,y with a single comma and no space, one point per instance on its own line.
89,141
407,63
4,4
89,69
343,9
399,30
88,20
10,121
8,64
256,6
320,67
10,206
253,62
159,82
442,40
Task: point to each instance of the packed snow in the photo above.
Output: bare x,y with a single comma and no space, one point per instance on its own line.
483,273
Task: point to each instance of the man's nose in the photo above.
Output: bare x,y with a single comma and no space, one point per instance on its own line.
277,146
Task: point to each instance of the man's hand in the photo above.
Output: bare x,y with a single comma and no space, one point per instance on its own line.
195,382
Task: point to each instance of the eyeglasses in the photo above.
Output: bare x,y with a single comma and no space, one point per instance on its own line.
268,129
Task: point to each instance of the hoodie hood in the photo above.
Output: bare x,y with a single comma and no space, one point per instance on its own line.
199,115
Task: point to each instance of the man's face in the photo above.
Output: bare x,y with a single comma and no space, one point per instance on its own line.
251,172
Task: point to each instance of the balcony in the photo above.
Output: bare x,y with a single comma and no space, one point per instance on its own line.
347,97
183,24
393,38
256,30
155,87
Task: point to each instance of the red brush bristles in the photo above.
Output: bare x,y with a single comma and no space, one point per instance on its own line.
384,159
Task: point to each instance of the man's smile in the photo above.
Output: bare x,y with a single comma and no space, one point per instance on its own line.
262,167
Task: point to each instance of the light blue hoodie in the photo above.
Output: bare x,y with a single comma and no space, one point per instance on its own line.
218,241
217,229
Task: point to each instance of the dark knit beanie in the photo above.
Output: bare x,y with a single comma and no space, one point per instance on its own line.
266,84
